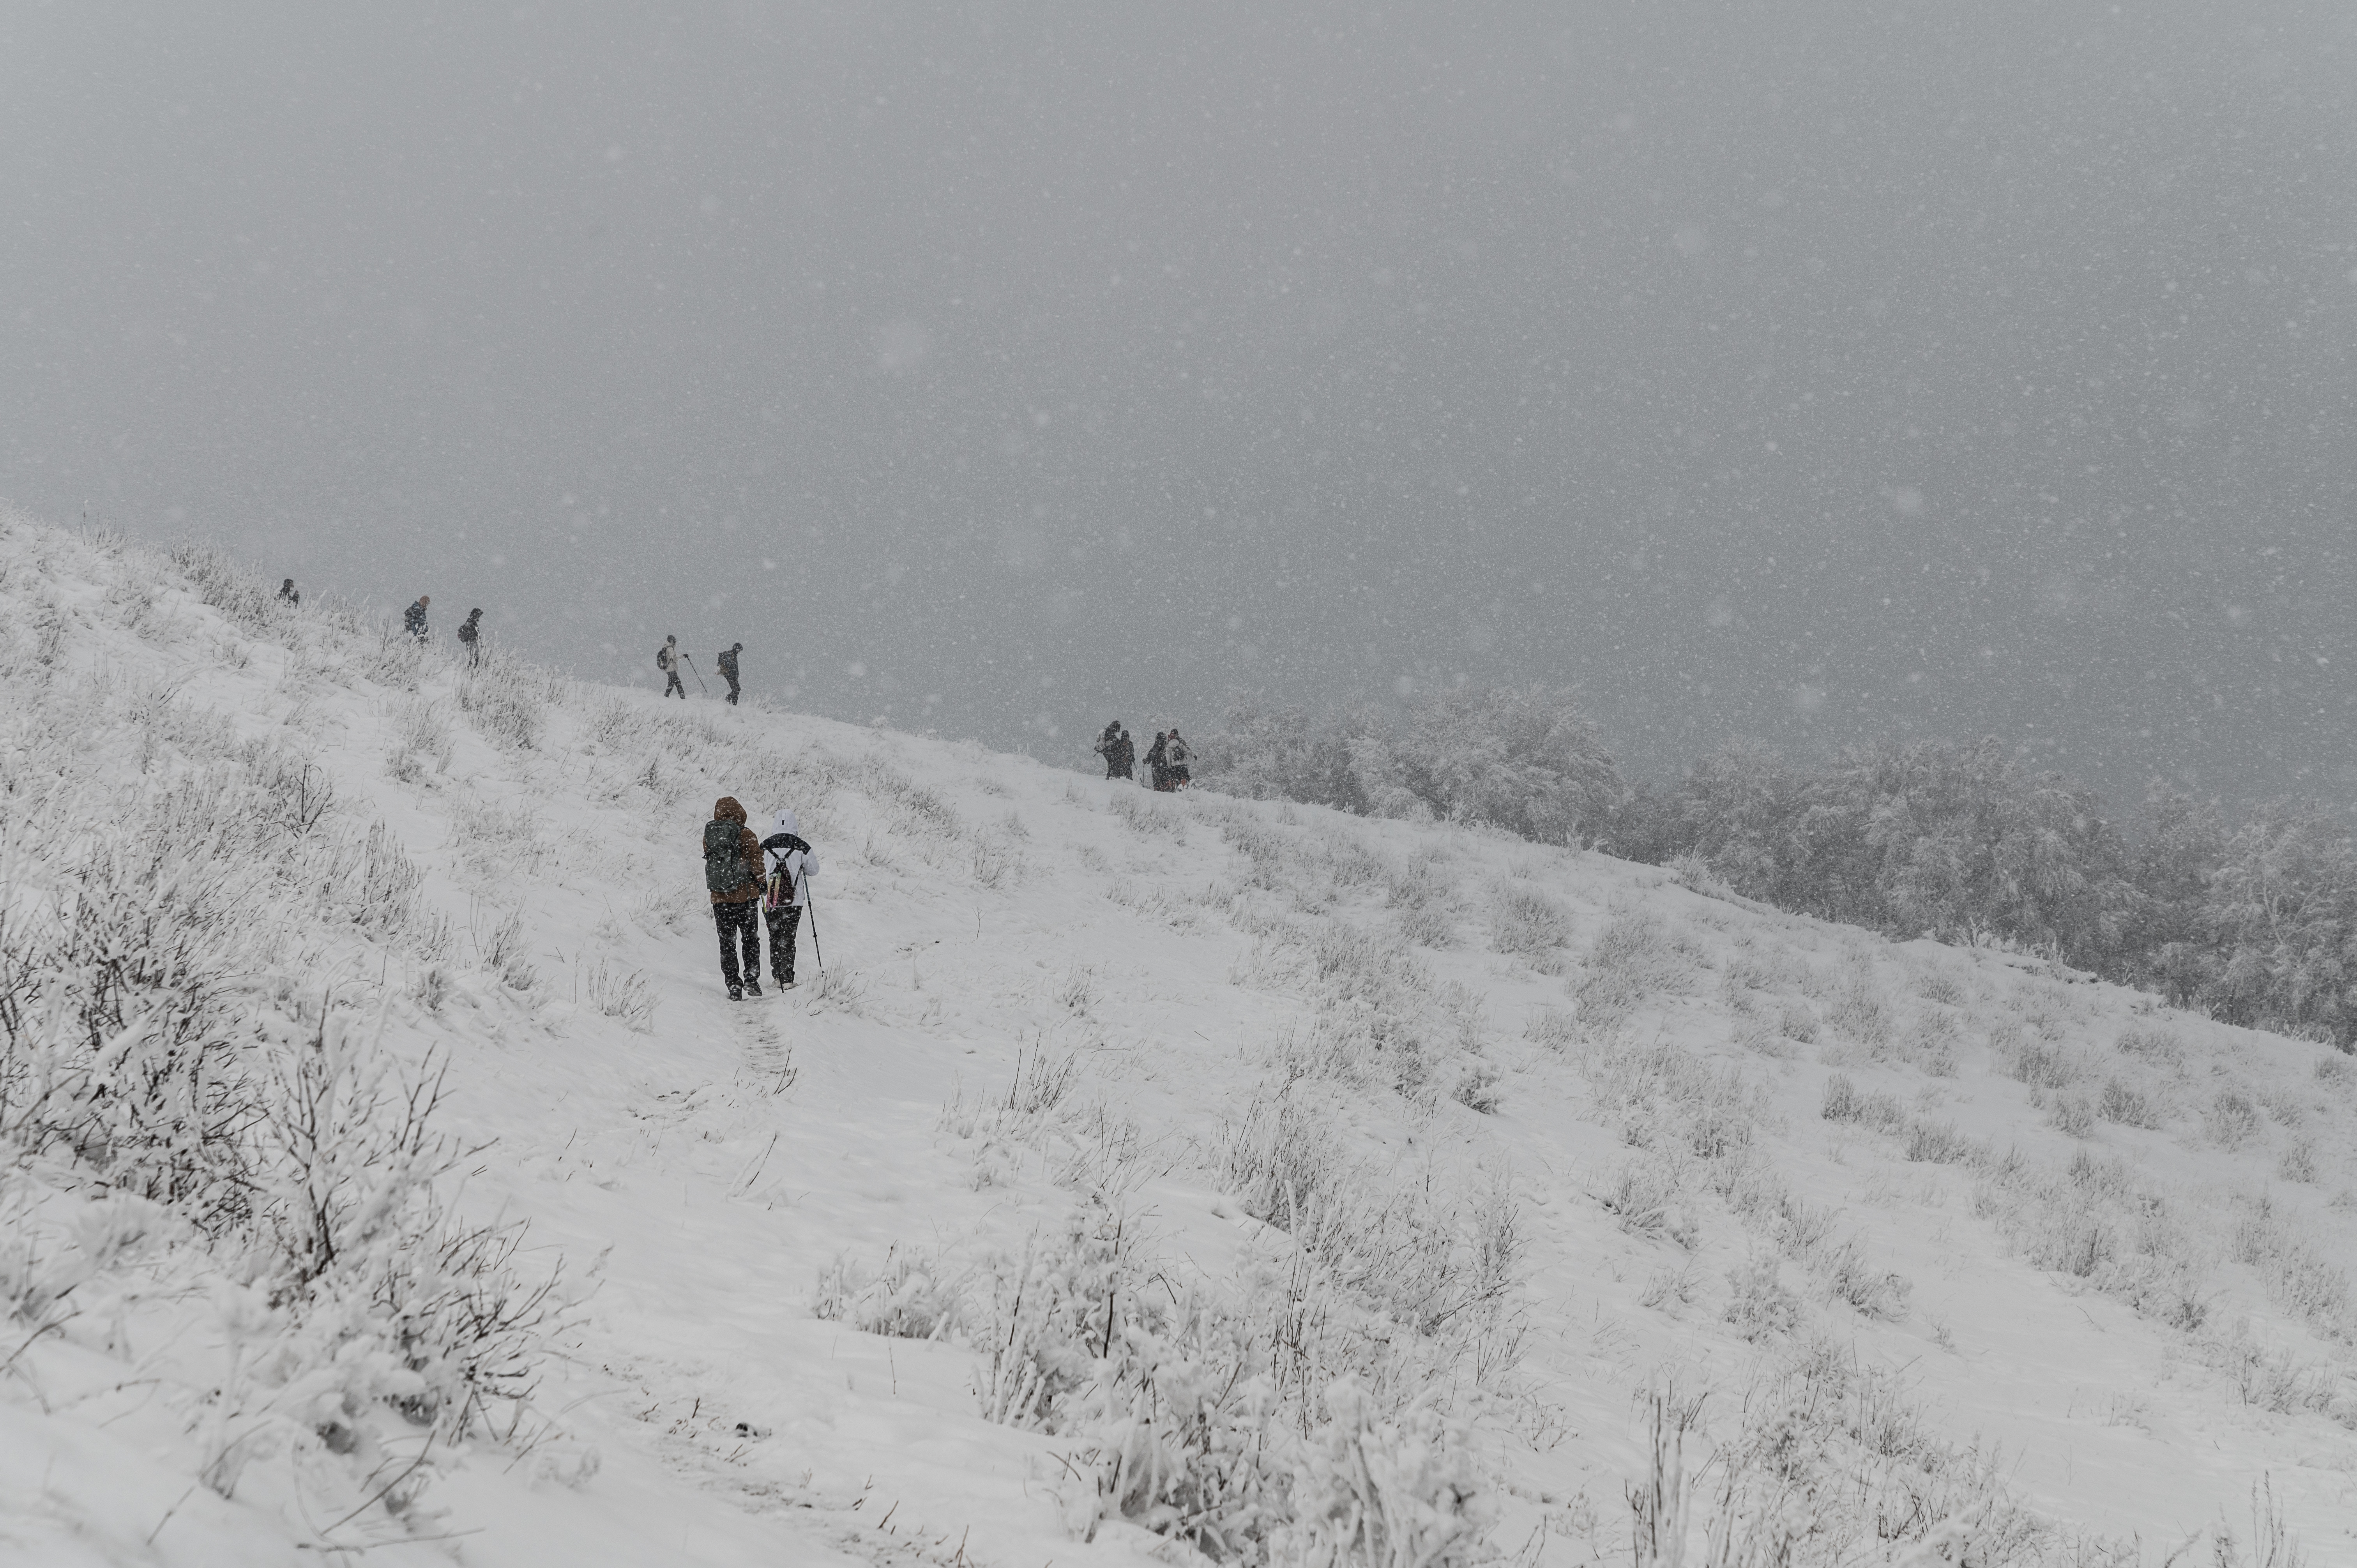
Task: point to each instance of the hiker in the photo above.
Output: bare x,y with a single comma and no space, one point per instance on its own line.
1157,758
731,874
471,632
667,660
1123,760
726,661
413,620
1108,747
790,865
287,591
1178,756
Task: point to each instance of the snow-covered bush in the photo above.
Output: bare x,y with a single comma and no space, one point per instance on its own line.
1239,1427
1527,924
904,1297
1631,960
507,702
623,994
1375,1491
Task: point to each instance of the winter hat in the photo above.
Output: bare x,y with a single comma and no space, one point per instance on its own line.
735,648
725,809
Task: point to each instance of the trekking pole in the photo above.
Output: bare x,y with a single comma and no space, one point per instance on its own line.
698,674
812,905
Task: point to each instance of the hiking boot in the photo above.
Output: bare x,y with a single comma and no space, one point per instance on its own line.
736,994
752,988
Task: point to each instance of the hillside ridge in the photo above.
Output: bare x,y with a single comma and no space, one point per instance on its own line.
1396,1149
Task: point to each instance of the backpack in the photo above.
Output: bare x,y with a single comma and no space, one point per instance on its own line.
725,870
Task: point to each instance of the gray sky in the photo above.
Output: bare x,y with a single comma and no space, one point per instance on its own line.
1813,371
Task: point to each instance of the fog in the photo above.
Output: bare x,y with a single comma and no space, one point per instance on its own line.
1809,371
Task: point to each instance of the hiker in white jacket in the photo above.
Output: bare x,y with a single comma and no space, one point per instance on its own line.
789,864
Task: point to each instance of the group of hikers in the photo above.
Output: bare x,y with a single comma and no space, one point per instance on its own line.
670,656
470,630
744,874
413,620
1167,759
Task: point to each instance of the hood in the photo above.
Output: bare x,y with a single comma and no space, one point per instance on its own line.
789,824
725,809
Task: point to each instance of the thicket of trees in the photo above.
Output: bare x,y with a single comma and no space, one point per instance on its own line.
2254,924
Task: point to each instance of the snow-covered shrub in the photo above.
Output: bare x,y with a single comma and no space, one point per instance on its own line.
2159,1047
247,601
421,736
623,994
2096,1222
1551,1026
904,1297
2038,1066
1428,925
1419,1261
2297,1279
1527,924
2229,1119
2128,1105
840,989
1848,1275
2073,1115
506,710
1631,960
1758,1305
1376,1491
1645,1194
1665,1096
1843,1102
1861,1013
502,948
1939,1142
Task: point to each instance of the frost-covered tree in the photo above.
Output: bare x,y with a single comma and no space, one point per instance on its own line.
1527,759
1282,753
2282,909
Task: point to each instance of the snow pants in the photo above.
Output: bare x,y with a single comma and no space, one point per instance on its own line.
675,686
732,690
738,922
784,921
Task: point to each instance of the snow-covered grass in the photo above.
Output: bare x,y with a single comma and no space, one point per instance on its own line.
1138,1176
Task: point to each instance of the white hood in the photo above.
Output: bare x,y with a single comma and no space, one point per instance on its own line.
788,823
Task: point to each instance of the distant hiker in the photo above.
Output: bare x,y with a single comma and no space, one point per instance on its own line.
732,874
286,591
471,632
1178,756
1157,757
1123,760
791,864
726,660
413,620
1108,747
667,660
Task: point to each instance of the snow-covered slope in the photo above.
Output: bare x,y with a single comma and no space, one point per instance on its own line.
1507,1138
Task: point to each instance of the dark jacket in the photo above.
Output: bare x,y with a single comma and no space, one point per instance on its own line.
413,620
726,809
469,628
726,660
